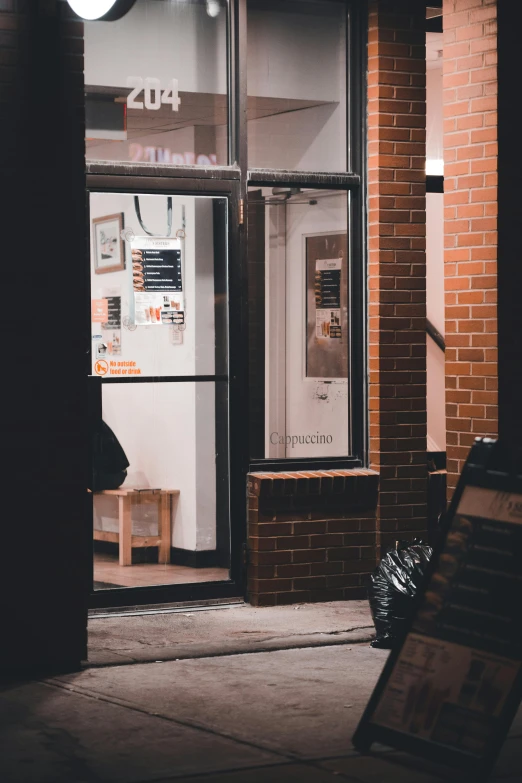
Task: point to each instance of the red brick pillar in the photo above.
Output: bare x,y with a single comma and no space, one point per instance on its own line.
470,201
397,255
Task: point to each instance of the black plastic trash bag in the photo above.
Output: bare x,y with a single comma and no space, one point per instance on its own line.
393,586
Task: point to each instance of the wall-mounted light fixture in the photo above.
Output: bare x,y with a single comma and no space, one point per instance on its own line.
213,7
101,10
435,167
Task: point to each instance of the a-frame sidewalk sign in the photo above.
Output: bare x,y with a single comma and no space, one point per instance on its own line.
453,682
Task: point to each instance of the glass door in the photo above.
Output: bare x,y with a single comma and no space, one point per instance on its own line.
159,311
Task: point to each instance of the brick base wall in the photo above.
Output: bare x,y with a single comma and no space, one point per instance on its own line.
311,535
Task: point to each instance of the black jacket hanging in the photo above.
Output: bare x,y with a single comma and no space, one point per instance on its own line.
109,461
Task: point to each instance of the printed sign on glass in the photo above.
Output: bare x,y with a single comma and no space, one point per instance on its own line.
112,325
326,300
157,281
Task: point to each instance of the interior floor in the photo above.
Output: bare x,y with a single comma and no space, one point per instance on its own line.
109,573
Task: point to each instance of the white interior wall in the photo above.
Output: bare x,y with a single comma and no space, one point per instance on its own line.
311,405
434,115
205,467
275,328
205,393
295,56
308,140
179,142
157,424
161,40
435,259
151,346
436,397
436,382
298,56
436,394
434,122
289,55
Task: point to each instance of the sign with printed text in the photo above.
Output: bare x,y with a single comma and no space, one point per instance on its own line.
112,327
99,311
117,367
456,680
328,297
326,306
157,281
148,94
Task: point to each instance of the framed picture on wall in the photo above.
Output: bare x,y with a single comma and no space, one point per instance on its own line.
108,247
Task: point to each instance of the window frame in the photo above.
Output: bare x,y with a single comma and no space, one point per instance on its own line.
115,178
233,181
233,81
353,182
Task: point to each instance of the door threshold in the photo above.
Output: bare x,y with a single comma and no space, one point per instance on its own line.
170,608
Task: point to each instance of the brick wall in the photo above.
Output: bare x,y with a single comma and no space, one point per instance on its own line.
397,248
311,535
45,570
470,201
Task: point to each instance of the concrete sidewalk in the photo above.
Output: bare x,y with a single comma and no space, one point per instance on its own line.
249,716
190,632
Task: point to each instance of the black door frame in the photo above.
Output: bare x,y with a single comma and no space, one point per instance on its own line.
102,177
233,181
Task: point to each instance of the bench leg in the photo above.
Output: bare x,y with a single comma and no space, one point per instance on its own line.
164,529
125,531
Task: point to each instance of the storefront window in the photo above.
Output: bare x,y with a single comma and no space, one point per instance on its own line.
158,301
299,263
160,348
156,84
297,62
157,92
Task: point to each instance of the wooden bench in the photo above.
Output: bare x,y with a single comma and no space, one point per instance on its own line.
124,537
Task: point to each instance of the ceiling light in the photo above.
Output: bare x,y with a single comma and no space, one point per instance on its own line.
103,10
213,7
435,167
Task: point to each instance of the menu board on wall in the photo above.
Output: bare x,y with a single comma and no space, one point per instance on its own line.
112,326
157,281
326,300
452,687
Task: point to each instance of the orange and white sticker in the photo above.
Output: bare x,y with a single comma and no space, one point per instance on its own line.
100,311
101,367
